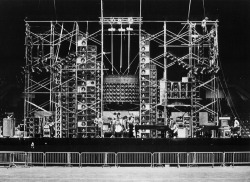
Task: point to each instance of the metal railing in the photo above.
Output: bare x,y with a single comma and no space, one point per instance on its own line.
35,158
17,158
62,158
134,158
98,158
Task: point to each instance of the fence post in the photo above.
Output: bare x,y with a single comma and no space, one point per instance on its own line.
178,160
116,159
79,159
26,159
105,160
233,158
152,164
212,160
45,158
68,159
223,164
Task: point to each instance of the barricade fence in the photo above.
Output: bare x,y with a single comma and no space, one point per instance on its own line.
19,158
62,158
98,158
134,158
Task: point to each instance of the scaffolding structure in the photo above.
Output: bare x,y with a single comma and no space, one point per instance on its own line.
65,68
63,77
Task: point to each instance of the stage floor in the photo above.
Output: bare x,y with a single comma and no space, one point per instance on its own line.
125,145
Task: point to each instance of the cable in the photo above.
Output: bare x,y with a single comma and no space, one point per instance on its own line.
121,54
112,52
189,9
128,51
204,10
131,62
55,8
228,90
227,98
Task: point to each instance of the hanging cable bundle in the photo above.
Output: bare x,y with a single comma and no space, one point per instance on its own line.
121,51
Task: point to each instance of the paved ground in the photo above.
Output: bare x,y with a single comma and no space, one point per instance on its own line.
137,174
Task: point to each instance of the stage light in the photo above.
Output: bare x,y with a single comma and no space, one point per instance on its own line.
119,21
195,70
202,70
111,29
112,20
210,70
130,20
121,29
129,29
216,69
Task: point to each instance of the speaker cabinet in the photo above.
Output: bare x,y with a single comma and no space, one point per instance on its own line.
8,127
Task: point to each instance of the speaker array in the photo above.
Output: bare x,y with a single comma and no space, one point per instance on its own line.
81,93
34,126
121,92
181,90
148,81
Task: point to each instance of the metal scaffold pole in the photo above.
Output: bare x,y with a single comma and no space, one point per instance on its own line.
102,59
165,72
190,48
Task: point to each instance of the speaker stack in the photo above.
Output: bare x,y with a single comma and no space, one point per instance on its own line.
88,94
8,127
148,82
33,127
121,89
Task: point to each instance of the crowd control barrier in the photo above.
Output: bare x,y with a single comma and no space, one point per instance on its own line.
62,158
13,158
35,158
5,158
19,158
98,158
134,158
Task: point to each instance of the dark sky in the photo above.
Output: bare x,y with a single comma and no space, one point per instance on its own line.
233,16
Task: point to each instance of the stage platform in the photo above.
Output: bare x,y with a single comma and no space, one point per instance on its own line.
125,145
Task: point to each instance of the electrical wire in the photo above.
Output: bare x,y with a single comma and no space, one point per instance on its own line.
112,52
55,9
128,51
204,10
189,9
224,80
228,101
121,54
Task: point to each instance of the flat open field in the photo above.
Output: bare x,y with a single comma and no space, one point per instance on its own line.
137,174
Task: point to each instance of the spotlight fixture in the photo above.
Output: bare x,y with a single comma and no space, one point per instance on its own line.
195,70
111,29
202,70
121,29
129,29
216,69
130,20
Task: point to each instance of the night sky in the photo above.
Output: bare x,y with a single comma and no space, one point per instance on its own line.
233,16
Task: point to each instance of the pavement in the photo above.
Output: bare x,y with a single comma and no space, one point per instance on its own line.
137,174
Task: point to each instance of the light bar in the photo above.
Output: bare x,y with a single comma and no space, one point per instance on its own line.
121,29
129,29
111,29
